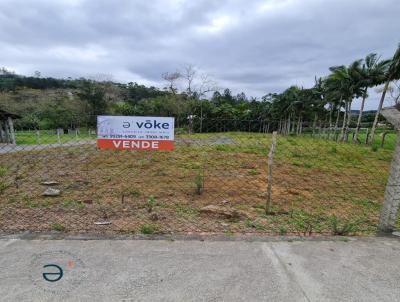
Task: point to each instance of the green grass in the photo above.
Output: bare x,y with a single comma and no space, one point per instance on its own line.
3,186
184,210
254,224
150,204
367,204
50,137
199,183
70,203
134,193
148,229
343,227
3,171
57,227
37,203
313,153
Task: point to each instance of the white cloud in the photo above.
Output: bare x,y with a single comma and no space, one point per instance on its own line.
89,53
251,46
218,24
273,5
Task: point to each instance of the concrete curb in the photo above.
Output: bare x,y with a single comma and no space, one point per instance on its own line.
185,237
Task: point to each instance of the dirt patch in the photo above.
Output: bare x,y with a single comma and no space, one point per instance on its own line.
159,191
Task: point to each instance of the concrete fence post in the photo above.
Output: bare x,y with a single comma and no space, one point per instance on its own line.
12,131
58,136
388,217
38,137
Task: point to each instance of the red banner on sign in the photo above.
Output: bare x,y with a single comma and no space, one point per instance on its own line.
128,144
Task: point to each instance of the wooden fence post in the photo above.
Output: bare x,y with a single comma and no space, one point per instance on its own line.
367,136
388,217
270,163
383,138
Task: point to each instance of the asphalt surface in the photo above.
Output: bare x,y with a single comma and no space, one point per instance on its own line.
162,270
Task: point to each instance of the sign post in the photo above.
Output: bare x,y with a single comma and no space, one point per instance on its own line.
135,133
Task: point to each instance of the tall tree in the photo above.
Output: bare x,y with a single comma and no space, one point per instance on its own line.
171,78
373,71
93,94
350,84
392,74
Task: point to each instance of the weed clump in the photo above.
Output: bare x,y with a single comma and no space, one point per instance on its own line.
342,227
199,183
150,204
57,227
148,229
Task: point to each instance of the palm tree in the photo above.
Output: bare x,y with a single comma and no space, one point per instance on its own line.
373,72
316,100
334,97
301,105
349,80
392,73
368,79
287,105
316,103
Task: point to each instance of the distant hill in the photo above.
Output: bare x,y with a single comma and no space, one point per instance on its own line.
364,112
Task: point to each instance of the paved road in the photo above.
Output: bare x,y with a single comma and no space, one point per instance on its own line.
144,270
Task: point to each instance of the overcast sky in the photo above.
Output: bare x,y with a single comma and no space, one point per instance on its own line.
251,46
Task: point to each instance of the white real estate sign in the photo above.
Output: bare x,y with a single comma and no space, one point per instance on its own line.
135,132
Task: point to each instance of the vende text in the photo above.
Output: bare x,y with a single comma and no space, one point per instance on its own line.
122,144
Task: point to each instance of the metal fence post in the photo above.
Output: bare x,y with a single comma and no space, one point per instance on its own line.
388,218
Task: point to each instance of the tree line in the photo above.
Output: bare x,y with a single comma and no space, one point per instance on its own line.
189,95
329,101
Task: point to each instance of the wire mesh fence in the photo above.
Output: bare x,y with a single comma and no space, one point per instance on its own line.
215,180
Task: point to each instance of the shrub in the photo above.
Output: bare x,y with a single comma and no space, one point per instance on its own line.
148,228
342,227
151,202
282,230
134,193
305,223
199,183
57,227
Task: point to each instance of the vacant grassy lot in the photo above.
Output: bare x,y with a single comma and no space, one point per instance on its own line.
319,187
50,137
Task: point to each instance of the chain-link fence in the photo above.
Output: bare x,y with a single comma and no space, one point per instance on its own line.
215,180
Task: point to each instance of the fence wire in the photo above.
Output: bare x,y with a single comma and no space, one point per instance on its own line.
215,181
